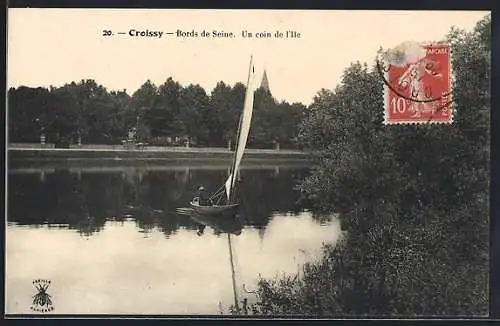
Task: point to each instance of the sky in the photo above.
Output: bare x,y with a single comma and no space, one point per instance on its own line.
57,46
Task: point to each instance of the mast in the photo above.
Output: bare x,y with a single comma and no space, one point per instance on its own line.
233,172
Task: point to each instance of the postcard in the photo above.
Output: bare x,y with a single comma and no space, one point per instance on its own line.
189,162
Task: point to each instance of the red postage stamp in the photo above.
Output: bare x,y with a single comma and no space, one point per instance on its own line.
418,87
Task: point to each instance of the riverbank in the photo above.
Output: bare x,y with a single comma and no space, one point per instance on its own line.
111,166
103,152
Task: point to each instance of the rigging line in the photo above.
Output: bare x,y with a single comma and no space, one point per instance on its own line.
217,195
217,192
217,200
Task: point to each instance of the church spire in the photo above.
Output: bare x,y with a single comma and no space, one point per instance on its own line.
265,83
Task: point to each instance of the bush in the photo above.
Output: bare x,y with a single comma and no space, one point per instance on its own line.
413,198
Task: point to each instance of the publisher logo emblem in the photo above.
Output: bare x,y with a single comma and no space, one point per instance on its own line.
42,301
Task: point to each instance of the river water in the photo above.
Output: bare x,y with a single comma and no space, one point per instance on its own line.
112,240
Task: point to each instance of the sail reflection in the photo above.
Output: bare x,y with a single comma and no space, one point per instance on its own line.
126,238
124,272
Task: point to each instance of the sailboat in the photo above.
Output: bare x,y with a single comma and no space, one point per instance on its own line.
230,205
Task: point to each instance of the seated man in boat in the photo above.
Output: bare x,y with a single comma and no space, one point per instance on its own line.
204,197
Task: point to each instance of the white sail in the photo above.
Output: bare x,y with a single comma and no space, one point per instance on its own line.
244,130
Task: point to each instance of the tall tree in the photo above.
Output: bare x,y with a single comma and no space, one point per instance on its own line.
194,108
28,110
144,103
164,116
262,133
225,114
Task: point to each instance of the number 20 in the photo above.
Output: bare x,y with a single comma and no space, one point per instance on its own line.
398,105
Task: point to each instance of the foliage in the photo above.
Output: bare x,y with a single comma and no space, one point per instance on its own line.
412,198
89,112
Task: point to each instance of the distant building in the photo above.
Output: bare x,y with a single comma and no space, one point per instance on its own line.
265,82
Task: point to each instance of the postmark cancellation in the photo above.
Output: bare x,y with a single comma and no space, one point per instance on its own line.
417,83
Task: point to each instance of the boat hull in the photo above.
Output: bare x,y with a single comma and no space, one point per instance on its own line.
222,222
215,209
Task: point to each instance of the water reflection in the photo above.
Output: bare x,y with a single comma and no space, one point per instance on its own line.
120,271
84,200
133,252
220,223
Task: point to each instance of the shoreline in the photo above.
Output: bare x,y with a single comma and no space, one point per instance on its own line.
149,154
121,148
51,167
24,159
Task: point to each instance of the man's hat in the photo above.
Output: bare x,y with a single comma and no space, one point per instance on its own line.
201,188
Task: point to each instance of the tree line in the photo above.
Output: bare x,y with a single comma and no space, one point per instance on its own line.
412,198
157,115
